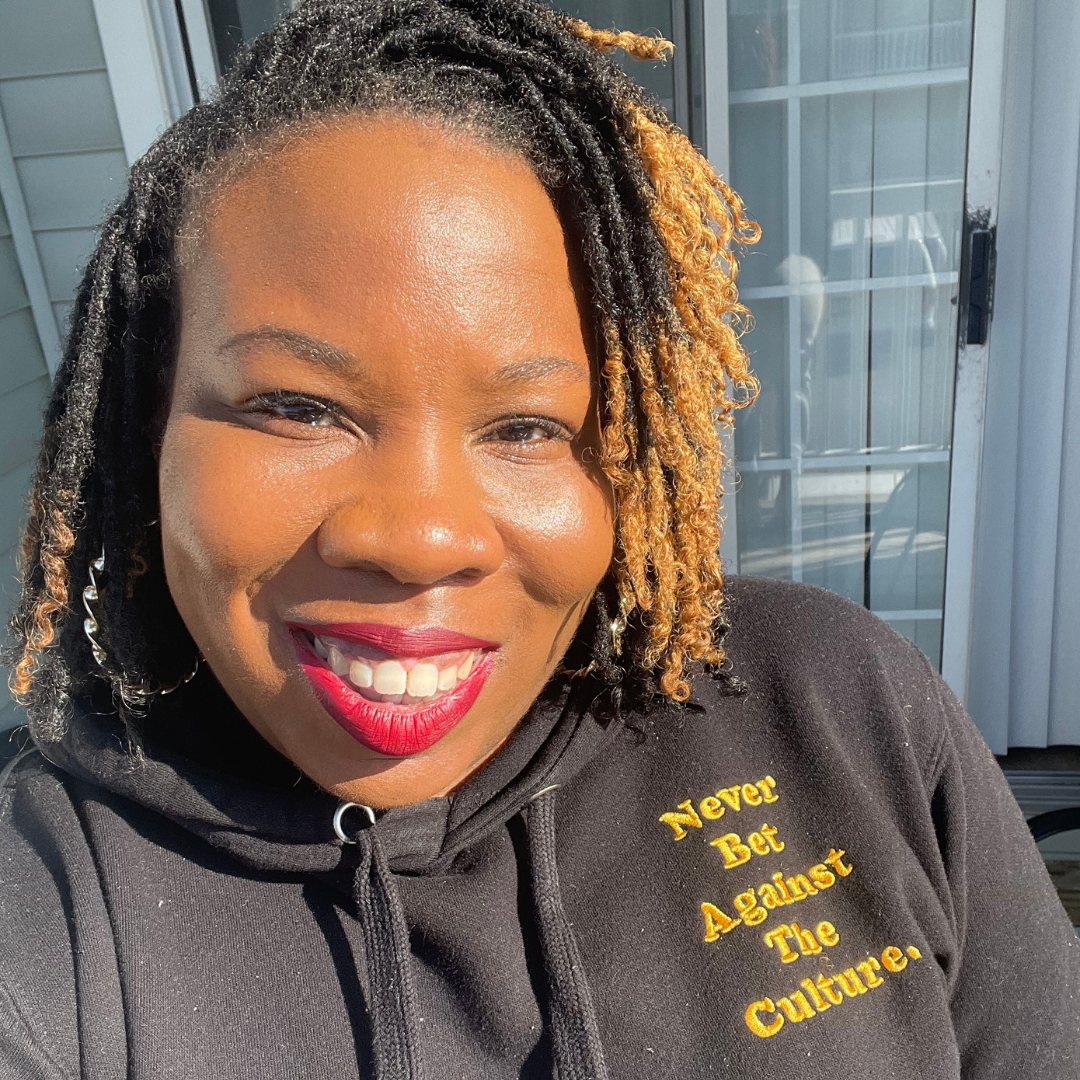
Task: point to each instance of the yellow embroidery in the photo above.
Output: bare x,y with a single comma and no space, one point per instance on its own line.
713,807
800,887
894,959
769,832
868,967
850,983
730,795
827,934
796,1007
754,1023
751,795
808,944
716,922
815,995
679,821
781,888
770,897
753,905
777,938
735,852
747,906
758,843
824,984
834,860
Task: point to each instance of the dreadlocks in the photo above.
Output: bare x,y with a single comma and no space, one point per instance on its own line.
656,226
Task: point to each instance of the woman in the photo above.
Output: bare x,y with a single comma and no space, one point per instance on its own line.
401,736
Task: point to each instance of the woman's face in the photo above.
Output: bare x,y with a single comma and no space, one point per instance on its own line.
381,507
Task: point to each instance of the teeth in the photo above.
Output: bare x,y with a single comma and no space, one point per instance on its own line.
338,664
423,680
416,680
390,678
360,674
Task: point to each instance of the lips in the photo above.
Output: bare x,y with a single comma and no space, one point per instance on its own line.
340,660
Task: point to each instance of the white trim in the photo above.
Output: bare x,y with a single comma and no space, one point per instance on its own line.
909,615
794,305
969,404
875,284
26,252
871,459
201,43
139,81
717,134
717,146
868,84
170,54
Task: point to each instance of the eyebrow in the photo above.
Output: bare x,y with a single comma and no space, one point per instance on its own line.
540,367
306,347
301,345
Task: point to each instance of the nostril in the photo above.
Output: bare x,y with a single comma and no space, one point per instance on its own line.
455,551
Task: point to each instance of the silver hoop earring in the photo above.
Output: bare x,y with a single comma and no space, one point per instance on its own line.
134,694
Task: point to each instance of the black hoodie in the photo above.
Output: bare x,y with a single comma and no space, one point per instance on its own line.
824,877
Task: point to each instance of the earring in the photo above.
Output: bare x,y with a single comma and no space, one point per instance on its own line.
90,593
133,694
617,627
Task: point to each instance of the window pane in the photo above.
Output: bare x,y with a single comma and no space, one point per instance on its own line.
848,122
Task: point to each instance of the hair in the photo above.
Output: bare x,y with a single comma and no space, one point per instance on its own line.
656,226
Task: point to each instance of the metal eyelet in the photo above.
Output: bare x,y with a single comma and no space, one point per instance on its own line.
339,814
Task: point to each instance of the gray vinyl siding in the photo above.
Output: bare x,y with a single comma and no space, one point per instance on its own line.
57,107
1025,678
24,382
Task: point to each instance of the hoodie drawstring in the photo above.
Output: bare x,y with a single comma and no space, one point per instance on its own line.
388,962
576,1049
575,1033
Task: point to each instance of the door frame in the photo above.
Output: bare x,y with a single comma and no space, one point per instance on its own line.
981,193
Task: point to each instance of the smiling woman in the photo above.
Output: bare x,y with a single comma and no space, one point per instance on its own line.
385,459
415,431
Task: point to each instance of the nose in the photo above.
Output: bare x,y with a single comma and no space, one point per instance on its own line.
417,536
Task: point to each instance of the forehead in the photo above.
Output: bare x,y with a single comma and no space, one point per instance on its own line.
383,216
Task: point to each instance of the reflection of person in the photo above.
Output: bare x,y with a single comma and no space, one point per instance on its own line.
392,394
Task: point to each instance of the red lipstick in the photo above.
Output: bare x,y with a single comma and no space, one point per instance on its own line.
396,730
399,640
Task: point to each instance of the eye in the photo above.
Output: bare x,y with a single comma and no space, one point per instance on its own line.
297,408
527,430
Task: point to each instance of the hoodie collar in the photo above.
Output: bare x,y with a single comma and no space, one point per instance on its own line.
254,815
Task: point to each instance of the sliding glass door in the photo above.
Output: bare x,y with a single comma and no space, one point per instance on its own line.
847,138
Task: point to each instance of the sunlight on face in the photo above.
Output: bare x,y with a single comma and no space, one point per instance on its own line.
383,418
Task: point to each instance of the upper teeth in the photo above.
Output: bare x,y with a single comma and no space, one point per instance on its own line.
395,678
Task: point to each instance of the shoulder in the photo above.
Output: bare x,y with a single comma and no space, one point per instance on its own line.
41,843
808,625
809,658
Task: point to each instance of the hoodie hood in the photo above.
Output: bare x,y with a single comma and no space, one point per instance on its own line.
206,770
231,791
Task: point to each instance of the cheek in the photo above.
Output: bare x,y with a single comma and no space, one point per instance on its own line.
229,515
562,534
